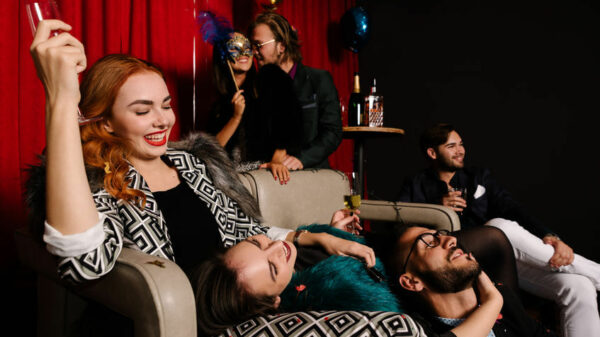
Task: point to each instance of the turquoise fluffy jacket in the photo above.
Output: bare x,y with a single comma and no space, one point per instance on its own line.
337,283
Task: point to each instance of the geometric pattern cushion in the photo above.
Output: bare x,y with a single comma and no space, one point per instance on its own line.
328,324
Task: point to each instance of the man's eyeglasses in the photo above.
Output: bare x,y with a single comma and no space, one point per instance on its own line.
431,240
257,46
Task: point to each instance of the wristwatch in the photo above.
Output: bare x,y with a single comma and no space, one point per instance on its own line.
297,235
553,235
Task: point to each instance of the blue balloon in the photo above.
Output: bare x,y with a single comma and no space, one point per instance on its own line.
355,28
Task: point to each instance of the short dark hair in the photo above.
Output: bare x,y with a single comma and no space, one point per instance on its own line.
395,265
221,301
395,262
435,136
283,32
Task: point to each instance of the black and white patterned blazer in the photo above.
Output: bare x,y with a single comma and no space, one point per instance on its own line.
204,166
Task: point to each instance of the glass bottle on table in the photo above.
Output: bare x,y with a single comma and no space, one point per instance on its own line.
374,106
356,105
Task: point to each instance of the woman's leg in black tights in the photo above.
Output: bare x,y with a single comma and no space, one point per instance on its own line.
493,251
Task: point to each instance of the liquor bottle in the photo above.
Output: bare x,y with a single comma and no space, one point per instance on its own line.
374,106
356,105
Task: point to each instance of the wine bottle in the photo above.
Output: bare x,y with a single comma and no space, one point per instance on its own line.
356,107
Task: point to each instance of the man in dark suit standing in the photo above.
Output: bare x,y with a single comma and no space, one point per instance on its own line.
276,42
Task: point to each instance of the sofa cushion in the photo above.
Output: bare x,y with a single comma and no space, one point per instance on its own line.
328,324
310,196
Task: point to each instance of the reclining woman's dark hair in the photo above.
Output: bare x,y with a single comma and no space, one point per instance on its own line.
221,301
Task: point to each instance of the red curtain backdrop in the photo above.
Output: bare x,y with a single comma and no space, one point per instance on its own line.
317,23
163,32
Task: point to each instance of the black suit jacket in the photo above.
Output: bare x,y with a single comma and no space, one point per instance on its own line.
486,199
321,117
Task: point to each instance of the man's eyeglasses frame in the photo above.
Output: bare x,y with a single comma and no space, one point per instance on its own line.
257,46
432,244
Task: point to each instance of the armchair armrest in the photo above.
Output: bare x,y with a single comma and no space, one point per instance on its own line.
410,213
153,292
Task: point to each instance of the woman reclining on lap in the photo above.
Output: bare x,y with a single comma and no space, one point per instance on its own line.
261,276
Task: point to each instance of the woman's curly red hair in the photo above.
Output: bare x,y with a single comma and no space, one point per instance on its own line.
99,90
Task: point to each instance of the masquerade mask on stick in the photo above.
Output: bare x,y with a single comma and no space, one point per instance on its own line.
217,31
239,46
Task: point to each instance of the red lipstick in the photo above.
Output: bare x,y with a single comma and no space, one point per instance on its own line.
160,142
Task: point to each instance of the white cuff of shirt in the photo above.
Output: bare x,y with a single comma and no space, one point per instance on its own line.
277,233
74,244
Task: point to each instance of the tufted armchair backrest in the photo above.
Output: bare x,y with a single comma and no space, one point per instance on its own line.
310,196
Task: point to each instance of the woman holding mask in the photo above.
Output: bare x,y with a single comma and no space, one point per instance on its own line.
241,119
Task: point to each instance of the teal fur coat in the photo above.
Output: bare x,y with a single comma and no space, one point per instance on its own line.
337,283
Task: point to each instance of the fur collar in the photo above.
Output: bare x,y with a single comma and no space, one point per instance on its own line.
220,168
203,146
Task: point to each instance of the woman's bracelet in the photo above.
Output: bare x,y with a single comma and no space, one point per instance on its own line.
297,235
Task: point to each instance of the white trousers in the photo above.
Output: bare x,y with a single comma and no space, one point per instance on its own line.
572,287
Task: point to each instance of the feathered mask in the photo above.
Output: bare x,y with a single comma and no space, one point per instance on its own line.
216,30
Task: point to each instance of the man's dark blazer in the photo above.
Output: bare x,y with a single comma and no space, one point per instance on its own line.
321,118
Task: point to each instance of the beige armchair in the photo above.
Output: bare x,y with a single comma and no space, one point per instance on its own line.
155,293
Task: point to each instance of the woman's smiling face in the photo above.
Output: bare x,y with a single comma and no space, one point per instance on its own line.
264,267
241,51
142,115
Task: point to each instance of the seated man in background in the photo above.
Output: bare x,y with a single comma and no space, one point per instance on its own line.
439,278
276,42
546,266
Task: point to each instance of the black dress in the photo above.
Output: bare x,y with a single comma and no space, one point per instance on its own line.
192,228
271,120
195,238
222,111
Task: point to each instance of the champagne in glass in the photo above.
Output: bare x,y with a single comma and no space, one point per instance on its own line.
352,203
352,200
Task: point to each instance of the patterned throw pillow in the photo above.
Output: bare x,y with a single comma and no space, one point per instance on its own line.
328,324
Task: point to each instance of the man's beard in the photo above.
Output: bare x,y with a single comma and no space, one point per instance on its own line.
451,279
446,164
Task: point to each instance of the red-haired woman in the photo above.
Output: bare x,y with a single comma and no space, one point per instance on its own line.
114,182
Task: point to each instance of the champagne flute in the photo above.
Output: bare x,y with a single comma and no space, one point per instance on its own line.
44,10
352,200
41,10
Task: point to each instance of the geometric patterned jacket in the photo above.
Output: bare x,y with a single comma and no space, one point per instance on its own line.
205,167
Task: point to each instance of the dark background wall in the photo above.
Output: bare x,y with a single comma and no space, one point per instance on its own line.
520,81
